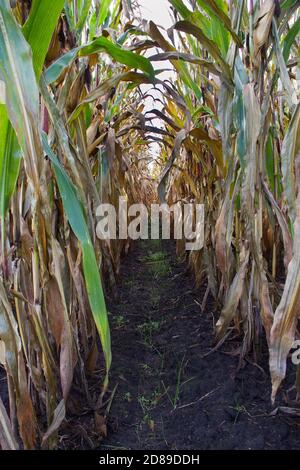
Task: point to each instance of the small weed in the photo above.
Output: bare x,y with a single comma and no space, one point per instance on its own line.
120,322
239,409
161,269
147,369
157,256
145,403
148,404
147,329
175,399
158,263
128,397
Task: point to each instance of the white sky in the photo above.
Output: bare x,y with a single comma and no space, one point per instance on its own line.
159,12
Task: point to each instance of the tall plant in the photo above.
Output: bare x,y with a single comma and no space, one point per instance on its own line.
237,70
59,158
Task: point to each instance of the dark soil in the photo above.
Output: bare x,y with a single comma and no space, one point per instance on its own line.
169,394
169,388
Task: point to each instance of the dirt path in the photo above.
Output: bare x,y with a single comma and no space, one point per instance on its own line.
169,396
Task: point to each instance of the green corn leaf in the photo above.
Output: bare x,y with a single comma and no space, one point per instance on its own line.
217,11
181,8
54,71
69,14
93,22
288,4
39,27
122,56
38,31
290,38
22,96
103,11
220,35
10,158
290,150
75,215
240,114
211,26
211,46
83,16
270,168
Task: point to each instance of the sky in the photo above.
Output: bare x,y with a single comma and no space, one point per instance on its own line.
158,12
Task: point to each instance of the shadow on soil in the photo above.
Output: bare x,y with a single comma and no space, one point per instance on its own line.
168,395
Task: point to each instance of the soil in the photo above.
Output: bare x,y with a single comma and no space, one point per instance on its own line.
173,391
170,389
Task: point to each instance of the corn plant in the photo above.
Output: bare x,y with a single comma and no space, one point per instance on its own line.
74,132
64,149
235,150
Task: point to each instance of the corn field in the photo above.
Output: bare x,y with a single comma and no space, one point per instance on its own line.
76,131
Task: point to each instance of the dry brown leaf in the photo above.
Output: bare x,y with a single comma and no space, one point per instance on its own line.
67,355
7,438
100,425
54,307
266,305
14,363
234,295
58,417
287,314
262,25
